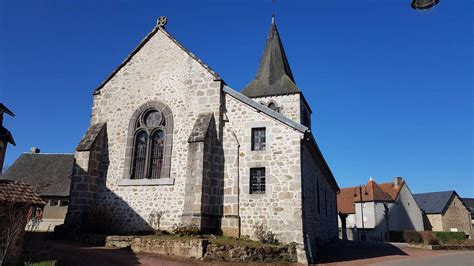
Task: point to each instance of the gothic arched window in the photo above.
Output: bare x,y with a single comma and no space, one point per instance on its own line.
148,153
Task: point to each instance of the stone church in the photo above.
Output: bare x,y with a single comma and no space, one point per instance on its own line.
167,133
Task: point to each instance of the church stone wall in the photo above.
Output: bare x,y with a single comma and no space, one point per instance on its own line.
319,205
280,206
160,71
289,105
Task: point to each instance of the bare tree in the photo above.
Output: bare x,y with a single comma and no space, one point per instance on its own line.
13,219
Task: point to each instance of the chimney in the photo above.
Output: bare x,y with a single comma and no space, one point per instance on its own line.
397,181
35,150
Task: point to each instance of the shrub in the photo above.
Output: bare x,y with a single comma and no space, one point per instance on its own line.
430,239
154,220
186,230
412,237
263,234
445,237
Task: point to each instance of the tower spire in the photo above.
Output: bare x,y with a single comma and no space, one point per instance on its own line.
274,76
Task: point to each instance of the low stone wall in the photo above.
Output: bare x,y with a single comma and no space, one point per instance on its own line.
192,247
119,241
181,247
286,253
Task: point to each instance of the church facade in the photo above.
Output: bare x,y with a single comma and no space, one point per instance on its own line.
167,134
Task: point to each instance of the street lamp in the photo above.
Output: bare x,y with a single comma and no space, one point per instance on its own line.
423,4
361,202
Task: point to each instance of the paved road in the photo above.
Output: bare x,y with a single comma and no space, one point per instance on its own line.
453,259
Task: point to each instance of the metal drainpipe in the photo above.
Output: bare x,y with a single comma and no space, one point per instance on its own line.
238,179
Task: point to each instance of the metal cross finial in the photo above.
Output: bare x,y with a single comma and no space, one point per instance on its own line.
273,12
161,22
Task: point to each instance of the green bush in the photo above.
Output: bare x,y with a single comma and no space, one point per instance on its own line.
412,237
450,236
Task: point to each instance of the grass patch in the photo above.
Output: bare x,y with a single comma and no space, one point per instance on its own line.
216,240
42,263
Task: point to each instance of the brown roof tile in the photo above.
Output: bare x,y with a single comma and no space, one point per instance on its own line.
371,192
18,192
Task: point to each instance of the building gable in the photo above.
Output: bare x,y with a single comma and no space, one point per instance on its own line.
142,44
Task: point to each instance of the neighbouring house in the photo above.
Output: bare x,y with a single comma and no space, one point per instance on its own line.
50,176
168,134
363,210
18,203
444,211
470,204
5,135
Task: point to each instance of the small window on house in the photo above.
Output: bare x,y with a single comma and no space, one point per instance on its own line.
53,203
63,203
257,180
258,139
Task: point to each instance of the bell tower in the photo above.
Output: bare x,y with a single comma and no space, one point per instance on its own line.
274,85
5,135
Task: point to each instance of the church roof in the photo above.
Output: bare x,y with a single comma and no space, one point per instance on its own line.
264,109
274,76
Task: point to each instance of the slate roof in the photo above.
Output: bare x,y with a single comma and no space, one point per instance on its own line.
372,192
274,76
4,109
18,192
469,203
434,202
50,174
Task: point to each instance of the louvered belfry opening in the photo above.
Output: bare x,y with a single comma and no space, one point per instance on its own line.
148,146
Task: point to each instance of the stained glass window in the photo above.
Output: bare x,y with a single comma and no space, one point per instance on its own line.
153,118
139,158
156,162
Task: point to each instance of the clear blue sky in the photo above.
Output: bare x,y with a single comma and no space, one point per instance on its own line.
391,89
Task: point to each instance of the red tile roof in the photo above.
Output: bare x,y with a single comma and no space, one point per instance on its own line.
18,192
371,192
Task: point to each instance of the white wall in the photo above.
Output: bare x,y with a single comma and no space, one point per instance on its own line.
405,213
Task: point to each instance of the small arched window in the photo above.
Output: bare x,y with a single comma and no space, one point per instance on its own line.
272,105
